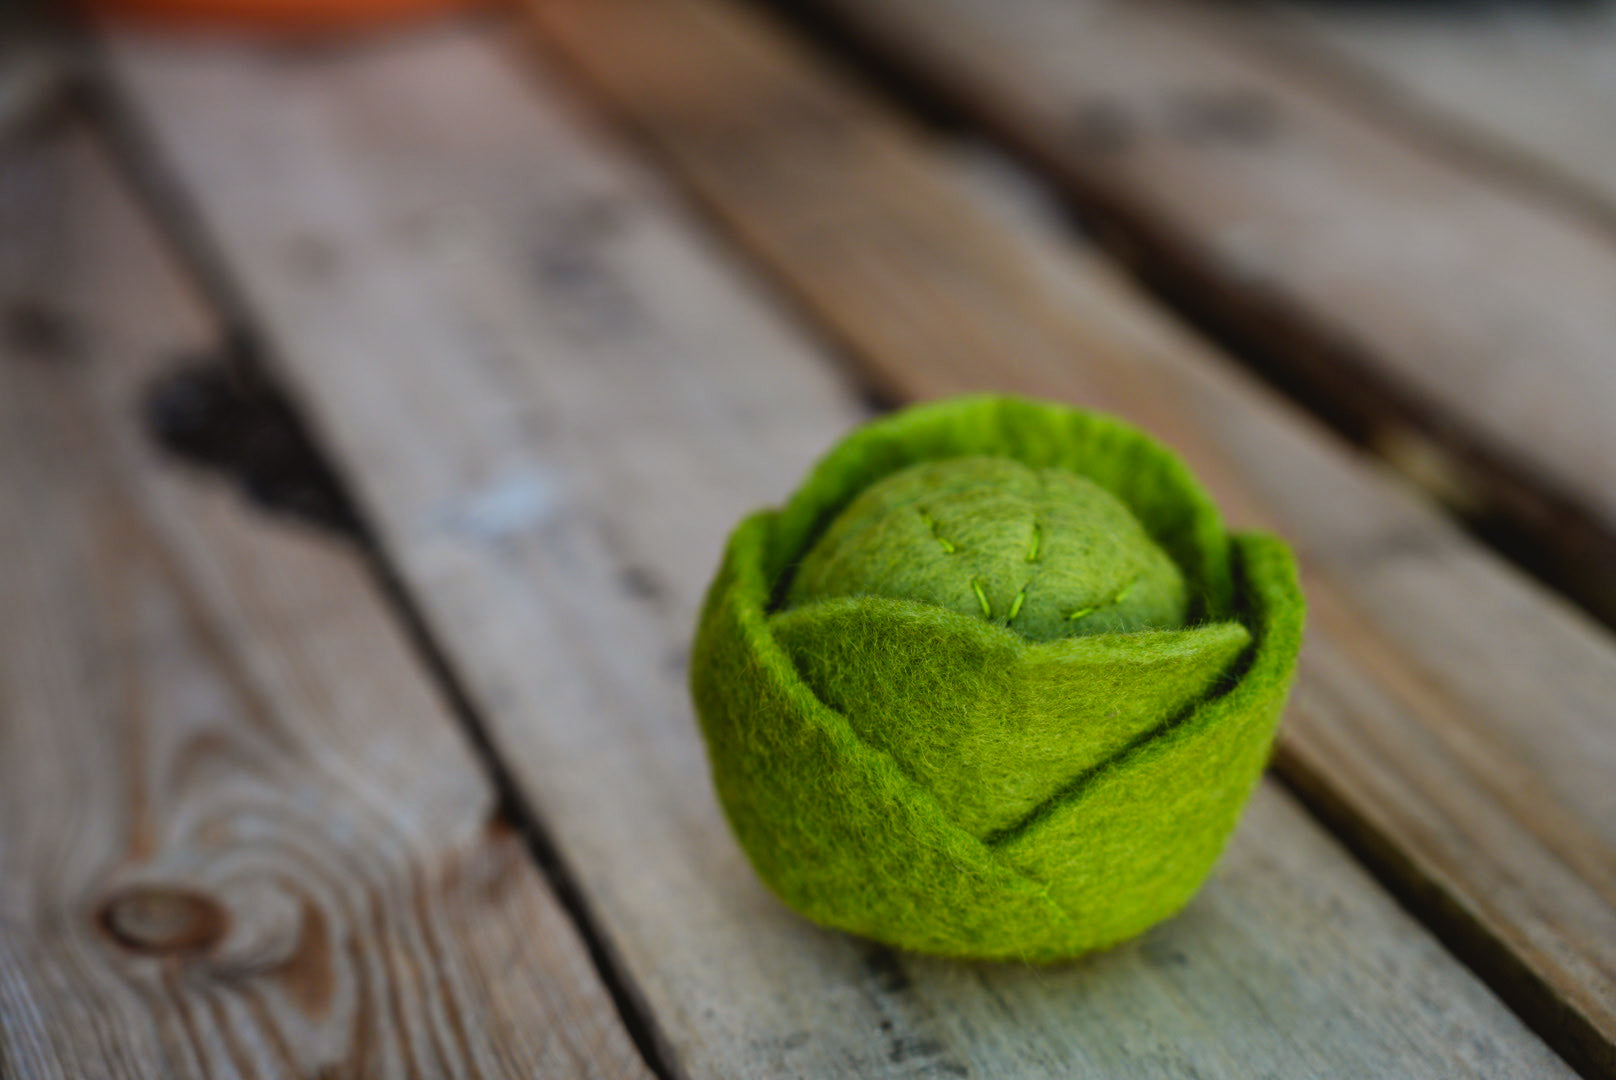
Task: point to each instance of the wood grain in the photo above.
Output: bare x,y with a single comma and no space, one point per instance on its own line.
240,834
1445,314
555,393
1452,720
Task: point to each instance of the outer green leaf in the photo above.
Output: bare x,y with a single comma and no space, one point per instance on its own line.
990,723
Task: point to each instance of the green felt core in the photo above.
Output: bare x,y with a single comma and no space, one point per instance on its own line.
1042,551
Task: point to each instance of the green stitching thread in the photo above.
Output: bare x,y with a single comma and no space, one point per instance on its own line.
1121,595
981,597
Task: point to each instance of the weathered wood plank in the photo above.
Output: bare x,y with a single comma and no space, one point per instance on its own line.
1449,316
555,396
1451,718
1527,85
239,832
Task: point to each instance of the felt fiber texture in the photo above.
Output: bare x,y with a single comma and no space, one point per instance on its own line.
935,779
1042,551
1009,733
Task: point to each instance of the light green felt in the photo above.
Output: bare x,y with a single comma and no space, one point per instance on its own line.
1045,552
938,781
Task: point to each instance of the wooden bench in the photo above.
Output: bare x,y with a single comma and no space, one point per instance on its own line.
555,300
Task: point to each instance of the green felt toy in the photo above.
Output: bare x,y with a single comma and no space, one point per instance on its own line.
995,682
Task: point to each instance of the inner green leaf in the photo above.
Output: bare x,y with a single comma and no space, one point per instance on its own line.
1042,551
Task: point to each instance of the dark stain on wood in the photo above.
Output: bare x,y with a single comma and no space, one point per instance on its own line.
222,417
885,969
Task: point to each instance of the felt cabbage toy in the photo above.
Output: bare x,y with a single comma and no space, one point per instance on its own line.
995,682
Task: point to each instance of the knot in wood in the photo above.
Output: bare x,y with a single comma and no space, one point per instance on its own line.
163,919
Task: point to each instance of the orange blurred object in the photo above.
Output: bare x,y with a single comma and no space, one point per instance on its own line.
295,16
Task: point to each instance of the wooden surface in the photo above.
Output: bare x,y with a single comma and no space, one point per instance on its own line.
553,392
1454,318
240,834
1529,86
1427,722
276,801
